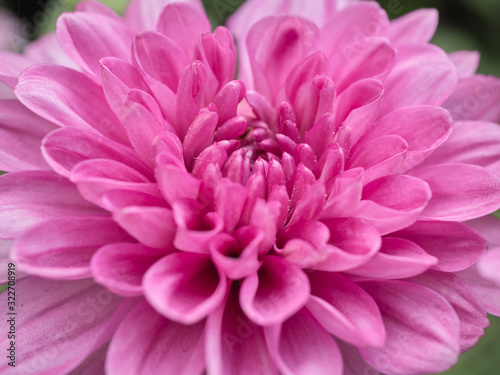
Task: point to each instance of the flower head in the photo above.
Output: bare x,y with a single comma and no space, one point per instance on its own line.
307,219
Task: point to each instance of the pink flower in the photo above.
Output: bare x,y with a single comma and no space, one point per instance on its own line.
306,221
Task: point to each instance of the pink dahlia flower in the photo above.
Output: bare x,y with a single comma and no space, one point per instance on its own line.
176,222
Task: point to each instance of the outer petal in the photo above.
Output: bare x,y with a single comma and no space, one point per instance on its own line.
81,37
417,27
438,238
21,132
234,344
184,24
74,99
423,75
147,343
487,226
470,310
345,310
143,14
60,324
423,127
94,364
475,98
422,329
185,287
488,291
30,198
466,62
46,49
479,192
66,147
61,248
472,142
302,347
277,291
490,264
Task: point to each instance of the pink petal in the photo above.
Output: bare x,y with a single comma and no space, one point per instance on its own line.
345,310
466,62
72,319
97,177
219,59
74,99
234,344
21,132
87,51
185,287
359,105
487,290
13,65
423,127
376,57
227,100
393,202
470,310
143,14
46,49
479,192
417,27
379,157
199,135
475,98
174,181
397,259
236,256
352,242
487,226
59,248
189,98
148,343
345,30
160,57
184,24
229,203
422,329
32,197
472,142
489,265
143,122
345,195
302,347
276,45
437,238
64,148
152,226
195,226
423,74
5,246
93,364
354,364
120,267
118,79
277,291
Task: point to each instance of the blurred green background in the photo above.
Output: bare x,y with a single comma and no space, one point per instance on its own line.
464,25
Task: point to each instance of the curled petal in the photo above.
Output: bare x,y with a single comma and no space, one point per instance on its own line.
184,287
148,343
277,291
